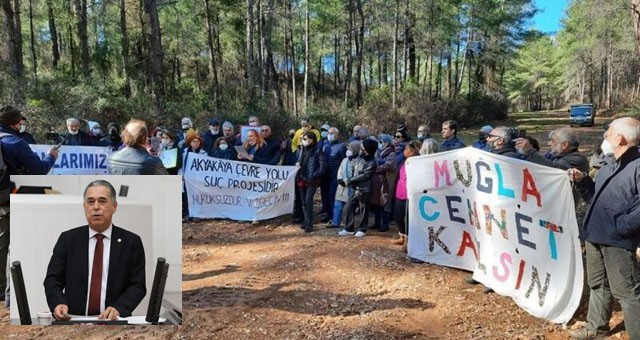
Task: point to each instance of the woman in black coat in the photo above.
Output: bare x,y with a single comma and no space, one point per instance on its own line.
312,165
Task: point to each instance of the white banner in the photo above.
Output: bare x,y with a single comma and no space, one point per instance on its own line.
509,221
77,160
218,188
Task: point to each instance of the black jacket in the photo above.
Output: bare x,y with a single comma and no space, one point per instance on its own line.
135,161
613,218
362,171
311,170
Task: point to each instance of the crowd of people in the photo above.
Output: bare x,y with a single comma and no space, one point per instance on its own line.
364,174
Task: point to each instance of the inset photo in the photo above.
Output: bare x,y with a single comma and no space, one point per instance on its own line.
96,250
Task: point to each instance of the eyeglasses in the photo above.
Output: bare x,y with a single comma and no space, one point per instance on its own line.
397,136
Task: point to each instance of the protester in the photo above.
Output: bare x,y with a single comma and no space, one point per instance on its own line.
483,134
563,147
112,138
288,155
194,145
23,132
19,160
400,139
255,147
305,126
186,125
254,121
450,135
430,146
355,135
312,164
324,132
499,142
387,167
364,132
402,195
273,147
342,192
360,183
74,136
334,151
423,132
169,145
95,133
611,232
221,149
134,159
210,136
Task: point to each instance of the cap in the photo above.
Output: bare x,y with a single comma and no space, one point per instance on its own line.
214,121
486,129
9,115
325,127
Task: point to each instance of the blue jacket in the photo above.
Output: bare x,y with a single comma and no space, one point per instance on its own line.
272,151
452,144
613,218
334,152
19,157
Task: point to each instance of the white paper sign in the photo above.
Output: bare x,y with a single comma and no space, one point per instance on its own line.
243,191
509,221
77,160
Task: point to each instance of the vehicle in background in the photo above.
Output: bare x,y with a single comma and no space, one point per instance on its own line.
582,114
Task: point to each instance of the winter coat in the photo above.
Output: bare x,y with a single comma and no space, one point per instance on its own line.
386,164
313,165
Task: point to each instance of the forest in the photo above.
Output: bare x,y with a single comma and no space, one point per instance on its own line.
382,62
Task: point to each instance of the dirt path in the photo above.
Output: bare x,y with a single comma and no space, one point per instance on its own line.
272,281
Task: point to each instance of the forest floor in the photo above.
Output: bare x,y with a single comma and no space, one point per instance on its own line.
272,281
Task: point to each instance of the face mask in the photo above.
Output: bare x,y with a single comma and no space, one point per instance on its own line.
305,143
381,146
223,147
73,133
607,148
420,135
331,137
324,134
214,131
23,128
96,131
349,153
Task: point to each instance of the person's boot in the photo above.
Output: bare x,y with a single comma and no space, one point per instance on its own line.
404,245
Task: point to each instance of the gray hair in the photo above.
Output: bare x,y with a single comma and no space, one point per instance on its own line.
72,120
227,125
627,127
568,135
334,130
429,146
364,132
502,132
101,183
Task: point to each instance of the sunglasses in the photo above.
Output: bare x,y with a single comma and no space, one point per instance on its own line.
397,136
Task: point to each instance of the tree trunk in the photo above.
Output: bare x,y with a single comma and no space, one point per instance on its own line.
156,57
270,69
293,62
18,30
336,62
34,61
306,56
394,92
635,12
360,53
212,52
410,42
81,13
124,45
55,51
348,55
14,58
249,37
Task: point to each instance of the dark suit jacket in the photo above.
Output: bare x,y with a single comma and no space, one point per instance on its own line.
67,275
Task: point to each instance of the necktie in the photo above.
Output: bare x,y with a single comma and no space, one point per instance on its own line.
96,278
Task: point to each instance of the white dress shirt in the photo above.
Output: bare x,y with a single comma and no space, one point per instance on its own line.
106,250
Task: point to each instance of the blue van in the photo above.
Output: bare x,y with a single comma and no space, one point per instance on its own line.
582,114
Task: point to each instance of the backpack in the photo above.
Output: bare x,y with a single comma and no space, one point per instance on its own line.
5,185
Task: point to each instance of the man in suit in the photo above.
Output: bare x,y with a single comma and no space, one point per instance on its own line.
76,284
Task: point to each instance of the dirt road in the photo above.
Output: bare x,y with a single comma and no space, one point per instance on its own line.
272,281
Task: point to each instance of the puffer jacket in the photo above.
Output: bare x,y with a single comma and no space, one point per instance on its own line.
135,161
314,169
362,174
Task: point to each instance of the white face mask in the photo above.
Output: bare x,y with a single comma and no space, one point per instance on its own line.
305,143
607,148
331,137
349,153
73,133
214,131
223,147
96,131
23,128
420,135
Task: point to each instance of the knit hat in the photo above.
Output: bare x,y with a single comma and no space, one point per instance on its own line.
401,128
214,122
385,138
486,129
9,115
370,146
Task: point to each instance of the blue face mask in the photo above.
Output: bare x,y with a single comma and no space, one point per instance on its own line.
324,134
